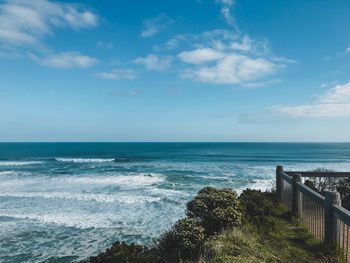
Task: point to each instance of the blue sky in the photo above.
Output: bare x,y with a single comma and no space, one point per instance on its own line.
194,70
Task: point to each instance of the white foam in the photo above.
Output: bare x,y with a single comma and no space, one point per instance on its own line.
263,185
7,173
85,160
103,198
65,219
167,192
212,177
14,173
142,179
18,163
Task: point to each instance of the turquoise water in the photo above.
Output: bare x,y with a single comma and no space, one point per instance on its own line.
61,202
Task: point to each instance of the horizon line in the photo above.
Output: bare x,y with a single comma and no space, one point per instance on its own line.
174,141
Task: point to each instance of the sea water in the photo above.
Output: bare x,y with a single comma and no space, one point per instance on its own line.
62,202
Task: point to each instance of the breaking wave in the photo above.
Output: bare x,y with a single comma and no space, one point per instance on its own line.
18,163
103,198
63,219
141,179
14,173
85,160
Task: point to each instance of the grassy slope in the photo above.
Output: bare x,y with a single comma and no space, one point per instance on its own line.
281,239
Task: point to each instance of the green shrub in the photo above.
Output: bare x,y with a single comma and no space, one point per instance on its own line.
259,207
258,203
125,253
183,241
216,209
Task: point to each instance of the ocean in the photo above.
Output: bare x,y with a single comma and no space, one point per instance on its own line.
62,202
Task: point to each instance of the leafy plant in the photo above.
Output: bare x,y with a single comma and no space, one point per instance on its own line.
216,209
183,241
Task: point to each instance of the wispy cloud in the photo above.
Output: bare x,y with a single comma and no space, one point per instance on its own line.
116,74
66,60
174,42
154,62
334,103
105,45
155,25
245,44
226,6
127,93
347,50
26,22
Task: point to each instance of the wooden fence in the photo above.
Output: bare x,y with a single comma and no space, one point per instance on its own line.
322,215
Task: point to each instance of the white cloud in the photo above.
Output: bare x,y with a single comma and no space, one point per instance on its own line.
26,22
153,26
339,94
226,57
153,62
347,50
200,55
226,11
66,60
117,74
334,103
233,69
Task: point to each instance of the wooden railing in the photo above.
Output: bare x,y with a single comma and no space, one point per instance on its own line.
322,215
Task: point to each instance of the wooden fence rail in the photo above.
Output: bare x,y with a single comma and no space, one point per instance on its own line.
322,215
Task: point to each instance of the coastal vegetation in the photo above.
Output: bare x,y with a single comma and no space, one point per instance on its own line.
323,184
222,227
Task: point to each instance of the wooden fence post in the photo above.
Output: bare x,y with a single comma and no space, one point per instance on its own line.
279,182
330,227
296,205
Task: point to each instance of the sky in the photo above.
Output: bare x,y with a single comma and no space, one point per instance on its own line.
166,70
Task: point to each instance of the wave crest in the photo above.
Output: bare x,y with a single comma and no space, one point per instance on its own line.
63,219
85,160
132,180
18,163
101,198
15,173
